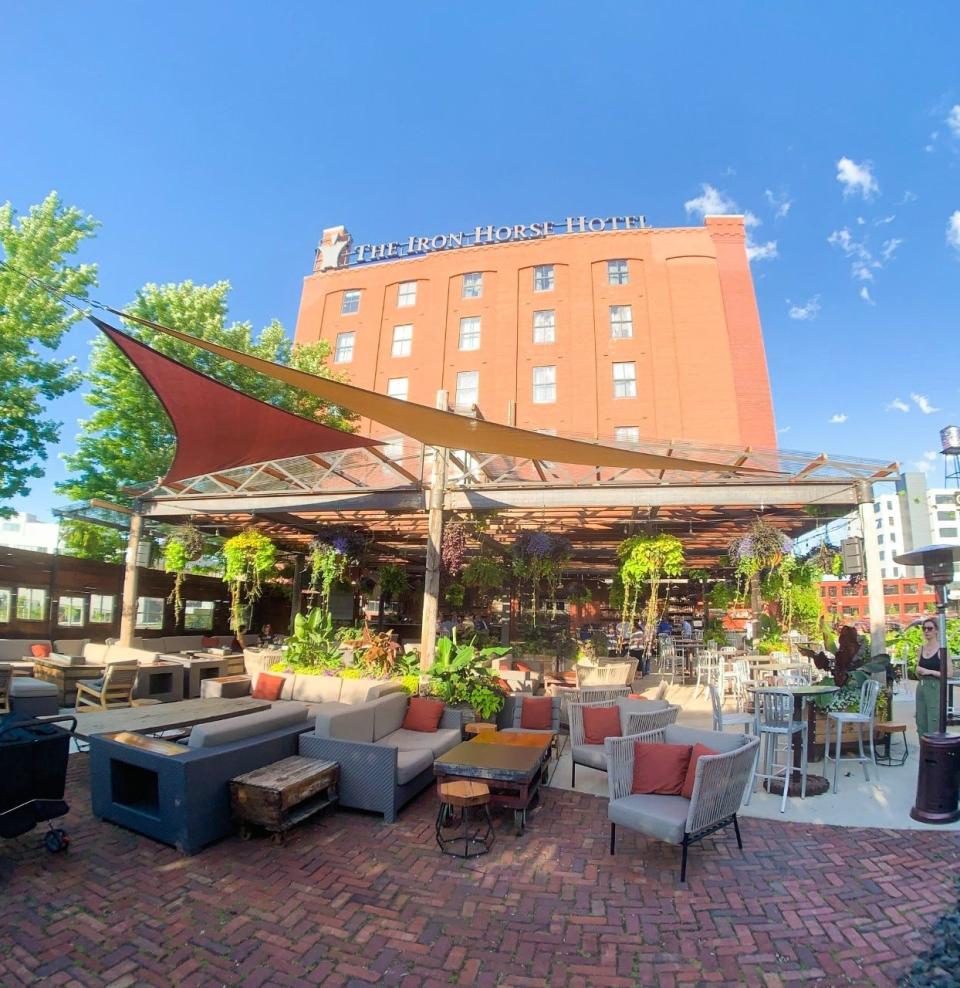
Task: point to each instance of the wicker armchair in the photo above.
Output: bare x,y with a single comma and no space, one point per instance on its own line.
611,674
720,784
635,716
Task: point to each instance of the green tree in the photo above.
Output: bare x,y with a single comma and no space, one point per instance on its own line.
129,441
32,320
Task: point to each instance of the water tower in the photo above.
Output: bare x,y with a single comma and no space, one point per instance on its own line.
950,447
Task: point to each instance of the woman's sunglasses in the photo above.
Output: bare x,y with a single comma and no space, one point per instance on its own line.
929,627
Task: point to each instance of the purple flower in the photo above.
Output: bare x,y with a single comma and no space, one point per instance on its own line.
340,544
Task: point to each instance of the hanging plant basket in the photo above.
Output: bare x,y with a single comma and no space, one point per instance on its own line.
249,558
183,546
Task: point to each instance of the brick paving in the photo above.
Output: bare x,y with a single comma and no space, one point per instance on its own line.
350,901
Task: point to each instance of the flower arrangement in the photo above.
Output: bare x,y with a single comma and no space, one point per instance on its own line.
453,547
761,548
538,559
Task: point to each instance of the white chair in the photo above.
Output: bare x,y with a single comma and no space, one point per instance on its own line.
903,681
836,719
722,720
707,662
774,720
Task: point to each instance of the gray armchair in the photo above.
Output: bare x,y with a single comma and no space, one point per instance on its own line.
720,784
636,717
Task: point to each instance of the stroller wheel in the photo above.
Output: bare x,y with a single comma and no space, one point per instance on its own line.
56,840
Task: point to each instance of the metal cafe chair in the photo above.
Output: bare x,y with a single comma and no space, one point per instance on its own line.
774,720
836,719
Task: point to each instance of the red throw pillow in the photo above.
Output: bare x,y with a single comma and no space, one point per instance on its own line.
40,651
522,667
698,750
536,714
600,723
637,696
208,641
269,687
506,686
660,769
423,714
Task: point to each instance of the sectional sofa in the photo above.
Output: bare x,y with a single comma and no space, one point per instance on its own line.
382,765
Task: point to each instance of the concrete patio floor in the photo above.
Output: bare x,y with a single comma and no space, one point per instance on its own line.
885,801
350,901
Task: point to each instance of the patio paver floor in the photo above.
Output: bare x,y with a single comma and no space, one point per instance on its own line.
350,901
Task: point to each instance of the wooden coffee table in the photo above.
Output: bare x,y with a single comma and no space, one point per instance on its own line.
513,769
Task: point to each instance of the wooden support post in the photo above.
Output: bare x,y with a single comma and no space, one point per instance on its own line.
295,590
871,559
128,605
431,578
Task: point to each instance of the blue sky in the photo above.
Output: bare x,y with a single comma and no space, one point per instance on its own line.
217,140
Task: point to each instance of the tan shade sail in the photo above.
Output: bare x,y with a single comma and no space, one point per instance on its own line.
447,429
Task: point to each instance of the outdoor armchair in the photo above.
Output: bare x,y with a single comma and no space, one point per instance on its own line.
721,781
636,716
113,689
610,674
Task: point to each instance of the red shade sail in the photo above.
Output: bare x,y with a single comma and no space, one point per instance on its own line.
219,428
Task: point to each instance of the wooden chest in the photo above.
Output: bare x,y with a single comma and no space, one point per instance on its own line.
277,797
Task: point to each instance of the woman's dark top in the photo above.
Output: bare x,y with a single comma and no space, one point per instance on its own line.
932,663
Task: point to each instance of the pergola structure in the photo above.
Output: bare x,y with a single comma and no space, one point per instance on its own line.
397,491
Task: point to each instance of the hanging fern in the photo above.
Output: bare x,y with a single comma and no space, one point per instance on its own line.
184,545
249,557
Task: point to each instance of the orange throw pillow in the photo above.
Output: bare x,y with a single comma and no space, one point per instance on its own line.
536,714
660,769
208,641
600,723
637,696
522,667
698,750
269,687
40,651
423,714
504,684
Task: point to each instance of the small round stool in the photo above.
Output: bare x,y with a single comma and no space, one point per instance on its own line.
886,732
478,727
464,796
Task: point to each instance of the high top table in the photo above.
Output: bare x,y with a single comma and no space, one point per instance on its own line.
166,716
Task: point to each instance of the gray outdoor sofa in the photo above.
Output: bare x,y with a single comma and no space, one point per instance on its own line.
184,799
382,766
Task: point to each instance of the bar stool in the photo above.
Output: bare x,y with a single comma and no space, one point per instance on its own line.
868,705
464,796
774,720
887,732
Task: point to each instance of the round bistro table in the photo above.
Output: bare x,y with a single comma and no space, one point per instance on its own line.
817,785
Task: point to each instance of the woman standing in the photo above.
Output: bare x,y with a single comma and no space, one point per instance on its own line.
928,672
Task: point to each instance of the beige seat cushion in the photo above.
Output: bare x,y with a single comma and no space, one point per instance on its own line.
317,689
220,732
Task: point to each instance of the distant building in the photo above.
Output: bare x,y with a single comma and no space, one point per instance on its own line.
904,600
25,531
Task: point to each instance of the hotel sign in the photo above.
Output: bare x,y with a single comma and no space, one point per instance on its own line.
340,251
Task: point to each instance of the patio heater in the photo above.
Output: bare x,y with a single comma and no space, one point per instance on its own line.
938,781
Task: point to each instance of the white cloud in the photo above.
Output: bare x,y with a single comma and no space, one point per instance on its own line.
861,221
809,310
931,145
953,229
953,120
925,463
889,247
786,428
713,202
857,178
923,404
838,419
885,220
908,196
866,296
898,405
780,203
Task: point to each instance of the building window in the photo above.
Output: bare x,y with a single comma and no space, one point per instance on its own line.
883,554
198,615
879,540
473,285
909,588
849,591
890,590
470,333
150,613
851,611
946,516
402,341
406,294
5,597
544,385
31,604
911,608
101,609
943,499
468,388
627,434
543,278
621,322
831,591
948,533
70,612
343,353
398,387
617,273
625,380
350,303
545,326
890,521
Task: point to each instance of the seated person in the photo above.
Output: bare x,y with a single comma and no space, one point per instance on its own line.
266,635
664,627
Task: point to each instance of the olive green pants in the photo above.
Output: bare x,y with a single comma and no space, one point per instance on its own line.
928,705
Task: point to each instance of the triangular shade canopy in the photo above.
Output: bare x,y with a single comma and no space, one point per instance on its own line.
219,428
447,429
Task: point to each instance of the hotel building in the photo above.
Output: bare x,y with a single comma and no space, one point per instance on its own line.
600,328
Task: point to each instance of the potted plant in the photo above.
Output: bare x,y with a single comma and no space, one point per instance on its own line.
313,646
393,582
461,676
249,557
